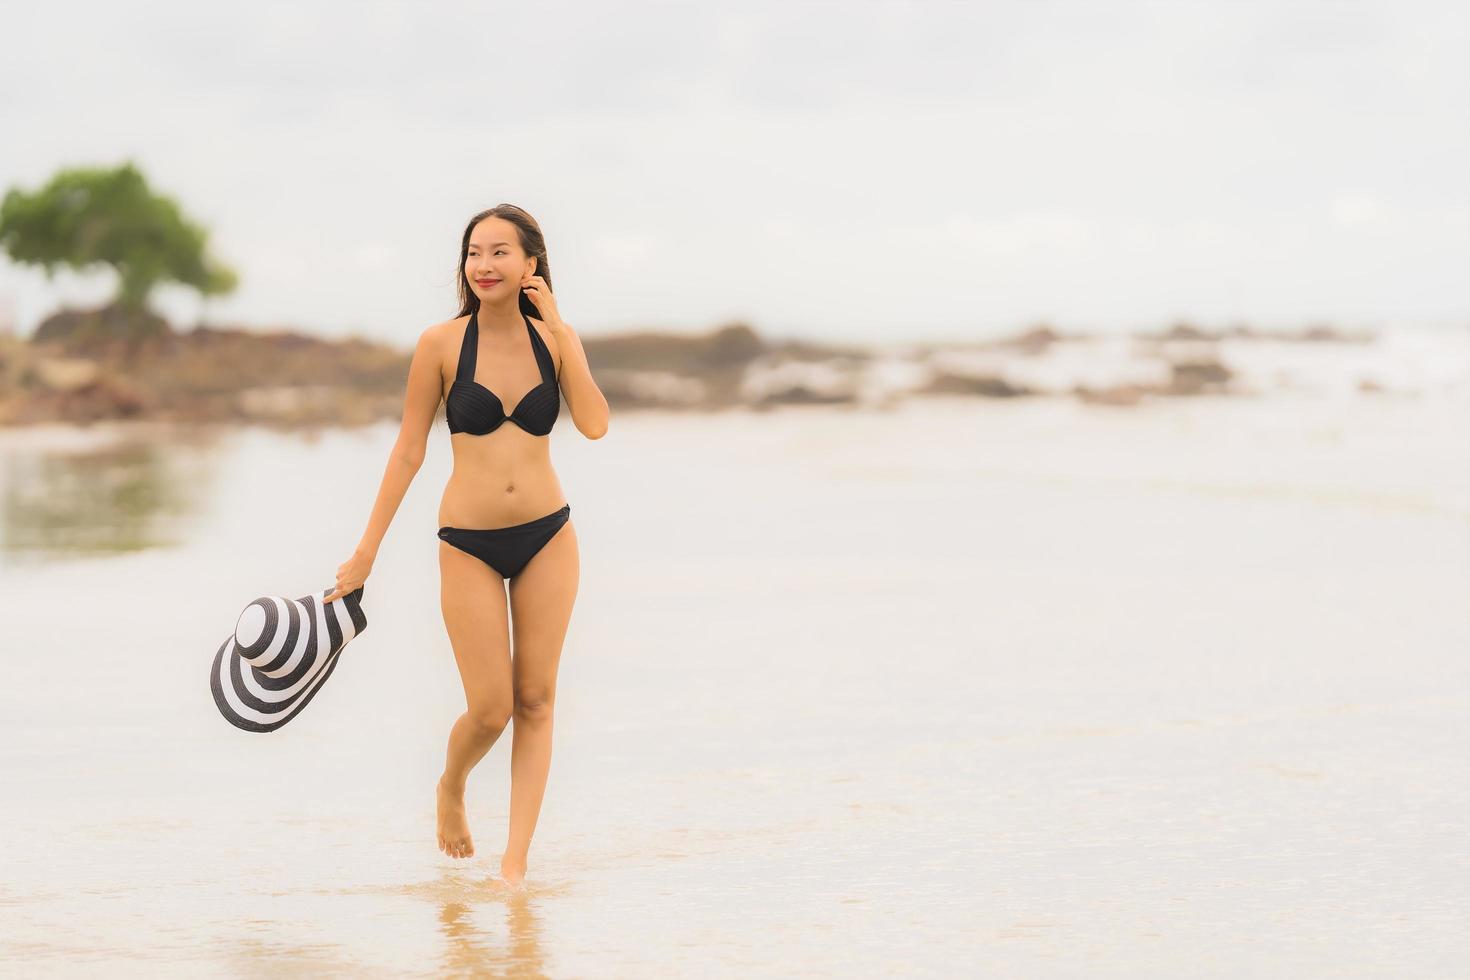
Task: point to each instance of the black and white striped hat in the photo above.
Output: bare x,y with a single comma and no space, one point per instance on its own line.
280,655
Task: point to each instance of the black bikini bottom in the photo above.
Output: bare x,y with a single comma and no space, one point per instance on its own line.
507,549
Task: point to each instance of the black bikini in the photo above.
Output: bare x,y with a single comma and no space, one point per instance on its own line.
507,549
472,408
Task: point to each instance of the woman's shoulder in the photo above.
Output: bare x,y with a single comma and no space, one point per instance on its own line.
438,333
453,325
440,342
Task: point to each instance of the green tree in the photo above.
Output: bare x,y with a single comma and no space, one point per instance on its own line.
87,216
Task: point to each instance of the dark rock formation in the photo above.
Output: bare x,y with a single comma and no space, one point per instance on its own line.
987,386
802,395
1197,377
107,326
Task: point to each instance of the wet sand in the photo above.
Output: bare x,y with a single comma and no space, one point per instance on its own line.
972,687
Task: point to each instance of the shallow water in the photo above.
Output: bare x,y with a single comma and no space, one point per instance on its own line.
970,687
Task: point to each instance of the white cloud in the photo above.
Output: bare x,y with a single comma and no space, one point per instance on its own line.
1356,210
1116,165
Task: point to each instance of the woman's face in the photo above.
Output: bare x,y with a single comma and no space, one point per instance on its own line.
494,263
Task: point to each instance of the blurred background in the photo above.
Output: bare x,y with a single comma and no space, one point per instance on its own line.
1033,533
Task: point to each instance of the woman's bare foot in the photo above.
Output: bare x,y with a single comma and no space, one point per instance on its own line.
454,828
513,871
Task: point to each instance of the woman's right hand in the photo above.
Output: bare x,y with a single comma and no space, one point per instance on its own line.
350,576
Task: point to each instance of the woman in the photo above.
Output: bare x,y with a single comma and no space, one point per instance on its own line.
503,515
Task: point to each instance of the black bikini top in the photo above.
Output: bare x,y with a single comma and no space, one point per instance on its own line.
473,408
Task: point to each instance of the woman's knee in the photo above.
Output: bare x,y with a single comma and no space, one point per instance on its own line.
490,718
533,702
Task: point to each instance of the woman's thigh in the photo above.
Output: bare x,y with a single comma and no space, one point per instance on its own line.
472,599
541,600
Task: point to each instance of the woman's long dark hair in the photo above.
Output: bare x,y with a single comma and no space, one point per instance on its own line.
533,243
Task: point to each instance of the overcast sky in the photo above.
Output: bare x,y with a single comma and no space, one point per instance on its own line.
869,171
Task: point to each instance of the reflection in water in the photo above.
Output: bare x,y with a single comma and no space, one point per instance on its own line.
119,496
472,946
469,951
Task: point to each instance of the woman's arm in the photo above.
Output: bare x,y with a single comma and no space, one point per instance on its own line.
420,405
584,398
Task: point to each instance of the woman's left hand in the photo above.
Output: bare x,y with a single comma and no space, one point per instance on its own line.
540,293
351,574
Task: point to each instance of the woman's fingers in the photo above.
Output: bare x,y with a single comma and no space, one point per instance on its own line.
340,590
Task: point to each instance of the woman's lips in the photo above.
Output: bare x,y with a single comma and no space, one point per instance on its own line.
487,283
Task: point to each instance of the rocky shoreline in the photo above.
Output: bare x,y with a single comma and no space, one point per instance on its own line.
65,373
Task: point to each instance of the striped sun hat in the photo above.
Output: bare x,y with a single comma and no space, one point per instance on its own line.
280,655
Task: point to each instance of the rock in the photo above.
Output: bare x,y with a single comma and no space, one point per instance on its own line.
73,329
1197,377
1324,333
802,395
984,385
97,400
734,344
66,374
1032,342
1125,394
1183,330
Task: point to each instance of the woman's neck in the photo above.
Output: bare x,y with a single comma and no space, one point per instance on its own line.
504,319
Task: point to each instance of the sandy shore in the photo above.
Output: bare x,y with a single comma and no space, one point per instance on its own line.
1033,688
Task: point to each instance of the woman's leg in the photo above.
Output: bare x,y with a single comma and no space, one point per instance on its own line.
472,599
541,599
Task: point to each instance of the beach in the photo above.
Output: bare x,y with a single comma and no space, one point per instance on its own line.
964,687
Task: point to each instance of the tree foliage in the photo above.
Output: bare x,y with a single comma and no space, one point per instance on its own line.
85,216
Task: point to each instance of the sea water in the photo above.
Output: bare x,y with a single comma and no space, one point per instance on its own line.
968,687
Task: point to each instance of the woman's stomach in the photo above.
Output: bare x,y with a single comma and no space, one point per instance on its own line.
497,486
